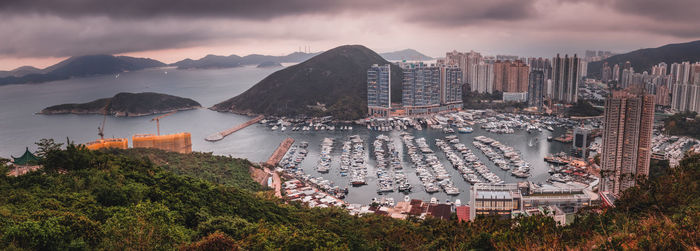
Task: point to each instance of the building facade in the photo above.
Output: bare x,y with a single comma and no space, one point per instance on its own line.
627,134
430,89
565,79
379,90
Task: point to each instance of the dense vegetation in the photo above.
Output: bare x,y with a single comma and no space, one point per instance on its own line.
124,201
84,66
644,59
127,104
683,124
332,83
583,108
475,100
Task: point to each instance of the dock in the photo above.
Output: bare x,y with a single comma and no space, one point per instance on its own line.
277,156
220,135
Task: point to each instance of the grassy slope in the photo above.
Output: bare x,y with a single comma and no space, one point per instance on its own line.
121,201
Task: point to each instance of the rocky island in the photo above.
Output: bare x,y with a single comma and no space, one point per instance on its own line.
127,105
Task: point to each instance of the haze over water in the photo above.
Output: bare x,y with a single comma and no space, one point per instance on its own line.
21,127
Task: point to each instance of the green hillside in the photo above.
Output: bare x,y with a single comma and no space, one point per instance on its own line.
87,200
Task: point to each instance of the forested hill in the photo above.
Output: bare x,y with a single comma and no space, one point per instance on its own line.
141,200
332,83
643,59
127,104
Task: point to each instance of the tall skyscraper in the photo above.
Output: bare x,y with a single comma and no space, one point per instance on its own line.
627,134
616,73
540,72
535,93
379,90
565,78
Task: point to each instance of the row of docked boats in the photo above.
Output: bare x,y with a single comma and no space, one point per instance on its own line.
390,176
324,162
290,165
468,164
352,161
505,157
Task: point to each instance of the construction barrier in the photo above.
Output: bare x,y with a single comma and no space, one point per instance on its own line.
108,143
180,142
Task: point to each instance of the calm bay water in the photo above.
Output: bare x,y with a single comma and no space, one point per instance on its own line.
20,127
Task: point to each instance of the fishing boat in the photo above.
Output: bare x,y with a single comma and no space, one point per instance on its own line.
465,130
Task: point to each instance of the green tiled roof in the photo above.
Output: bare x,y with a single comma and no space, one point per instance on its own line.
26,159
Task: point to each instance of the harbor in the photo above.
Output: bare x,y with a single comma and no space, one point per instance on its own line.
420,158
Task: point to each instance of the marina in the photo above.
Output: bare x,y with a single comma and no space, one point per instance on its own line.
354,168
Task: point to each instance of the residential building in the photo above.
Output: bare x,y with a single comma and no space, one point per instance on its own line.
379,90
450,85
626,150
482,78
565,79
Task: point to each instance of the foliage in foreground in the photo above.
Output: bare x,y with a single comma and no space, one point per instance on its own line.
683,124
120,201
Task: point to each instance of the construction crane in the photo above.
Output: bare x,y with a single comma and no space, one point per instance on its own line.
157,120
101,128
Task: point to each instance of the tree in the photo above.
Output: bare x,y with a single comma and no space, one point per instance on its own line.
145,226
46,146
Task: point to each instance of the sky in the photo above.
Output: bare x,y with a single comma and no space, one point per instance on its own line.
43,32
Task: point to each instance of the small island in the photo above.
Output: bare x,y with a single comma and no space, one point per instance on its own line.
269,64
127,105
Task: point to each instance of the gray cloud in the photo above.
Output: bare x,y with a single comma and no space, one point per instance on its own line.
51,28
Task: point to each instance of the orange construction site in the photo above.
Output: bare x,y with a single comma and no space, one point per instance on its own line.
180,142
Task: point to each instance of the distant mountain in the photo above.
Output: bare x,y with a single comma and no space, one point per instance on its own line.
269,64
127,104
84,66
213,61
644,59
407,54
332,83
21,71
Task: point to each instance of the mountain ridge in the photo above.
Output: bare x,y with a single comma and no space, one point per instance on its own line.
644,59
83,66
233,60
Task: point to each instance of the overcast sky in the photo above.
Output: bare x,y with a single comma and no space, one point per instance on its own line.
42,32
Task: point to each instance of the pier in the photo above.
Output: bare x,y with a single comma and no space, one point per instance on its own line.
279,153
220,135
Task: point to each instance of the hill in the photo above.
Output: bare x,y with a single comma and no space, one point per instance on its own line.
644,59
332,83
214,61
20,71
84,66
407,54
127,104
125,200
